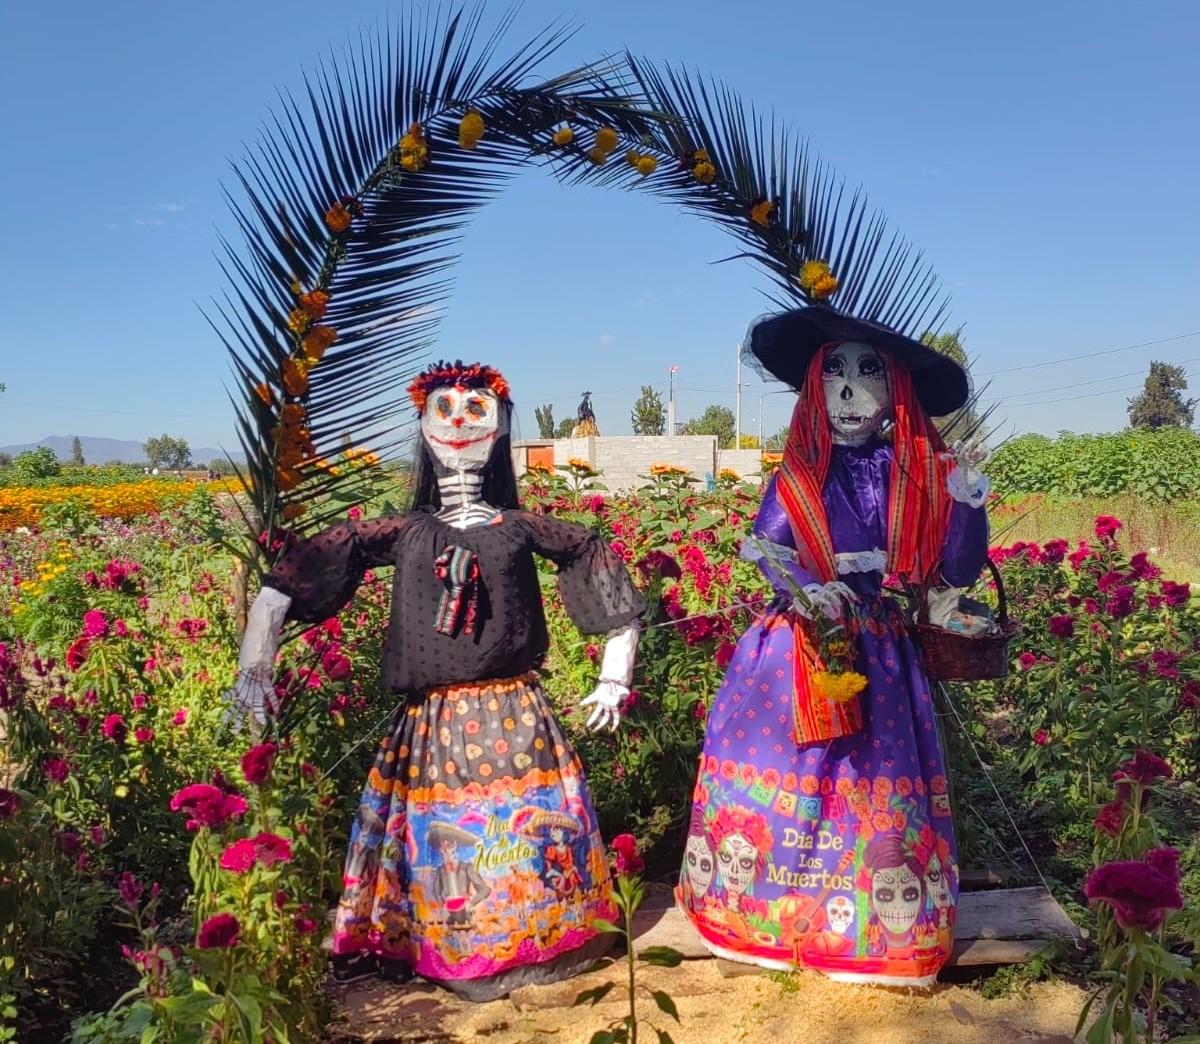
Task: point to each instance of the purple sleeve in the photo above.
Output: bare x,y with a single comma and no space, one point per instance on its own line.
965,550
772,525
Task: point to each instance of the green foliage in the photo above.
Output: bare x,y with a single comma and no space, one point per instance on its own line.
649,415
776,442
1160,404
1157,465
34,464
77,452
565,427
545,420
715,420
167,451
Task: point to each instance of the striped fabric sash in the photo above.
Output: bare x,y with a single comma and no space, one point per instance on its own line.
458,569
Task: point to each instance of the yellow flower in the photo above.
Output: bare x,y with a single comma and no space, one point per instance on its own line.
632,157
810,272
564,136
414,152
838,688
298,320
646,165
825,286
295,377
597,155
701,156
314,303
704,172
316,341
761,212
606,139
337,218
470,130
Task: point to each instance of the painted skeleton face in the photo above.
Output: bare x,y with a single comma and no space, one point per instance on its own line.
896,898
840,912
461,425
938,883
737,860
698,861
858,397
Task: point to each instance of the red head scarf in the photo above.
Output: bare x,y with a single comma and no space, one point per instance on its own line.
918,504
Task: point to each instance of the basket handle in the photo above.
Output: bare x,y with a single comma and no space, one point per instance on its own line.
1001,595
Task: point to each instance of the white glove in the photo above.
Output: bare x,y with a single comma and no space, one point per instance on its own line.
254,693
966,483
616,672
829,599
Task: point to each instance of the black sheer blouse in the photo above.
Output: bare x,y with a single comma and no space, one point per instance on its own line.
509,636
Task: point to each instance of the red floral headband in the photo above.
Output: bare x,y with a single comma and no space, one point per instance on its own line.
460,374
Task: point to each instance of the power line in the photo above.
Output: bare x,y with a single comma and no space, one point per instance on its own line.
1098,380
1071,398
1092,355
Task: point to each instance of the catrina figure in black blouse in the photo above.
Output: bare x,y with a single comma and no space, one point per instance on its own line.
463,815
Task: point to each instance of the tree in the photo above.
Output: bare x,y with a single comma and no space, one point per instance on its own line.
1161,403
748,442
545,420
5,460
36,464
715,420
777,441
220,466
649,416
167,452
565,427
76,451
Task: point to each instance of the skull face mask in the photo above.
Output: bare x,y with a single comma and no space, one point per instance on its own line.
698,859
840,912
461,425
896,899
858,397
938,883
737,860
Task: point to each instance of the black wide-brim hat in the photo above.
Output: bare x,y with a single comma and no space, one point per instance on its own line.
785,343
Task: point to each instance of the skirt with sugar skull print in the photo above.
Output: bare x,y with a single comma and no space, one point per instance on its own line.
837,856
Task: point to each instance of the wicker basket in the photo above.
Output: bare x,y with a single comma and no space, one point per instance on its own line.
960,657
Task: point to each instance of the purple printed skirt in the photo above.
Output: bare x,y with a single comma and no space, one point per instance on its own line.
838,856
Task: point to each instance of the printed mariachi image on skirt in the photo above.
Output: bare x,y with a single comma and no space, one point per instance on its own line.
475,859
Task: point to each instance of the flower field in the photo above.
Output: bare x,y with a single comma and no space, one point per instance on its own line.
149,853
26,506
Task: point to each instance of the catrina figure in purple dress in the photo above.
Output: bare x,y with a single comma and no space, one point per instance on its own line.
822,803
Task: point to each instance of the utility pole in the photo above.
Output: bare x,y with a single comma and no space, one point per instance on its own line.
737,409
671,401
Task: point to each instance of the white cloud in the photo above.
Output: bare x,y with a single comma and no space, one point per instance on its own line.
149,221
170,208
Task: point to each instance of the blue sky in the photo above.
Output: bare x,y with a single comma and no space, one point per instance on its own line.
1044,155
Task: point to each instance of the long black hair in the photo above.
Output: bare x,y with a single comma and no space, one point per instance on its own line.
499,476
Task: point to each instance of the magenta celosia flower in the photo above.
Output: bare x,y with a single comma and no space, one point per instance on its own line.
724,654
1142,568
1139,892
143,734
336,666
180,717
10,803
219,932
77,653
130,889
95,623
239,856
207,805
1054,551
113,728
1189,695
1110,580
55,769
595,503
305,925
192,628
625,850
1110,818
257,762
1166,663
139,701
120,629
1144,767
1061,626
1027,661
1041,737
1176,595
1120,604
1107,526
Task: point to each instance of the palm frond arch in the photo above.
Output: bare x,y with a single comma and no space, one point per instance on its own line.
352,200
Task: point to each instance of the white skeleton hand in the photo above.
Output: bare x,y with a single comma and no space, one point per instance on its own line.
828,599
252,695
616,672
966,483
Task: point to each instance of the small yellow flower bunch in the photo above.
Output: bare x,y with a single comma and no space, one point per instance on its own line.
838,688
643,164
606,141
563,136
414,151
816,278
760,212
470,130
703,170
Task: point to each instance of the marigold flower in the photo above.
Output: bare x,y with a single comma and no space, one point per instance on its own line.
824,287
563,136
704,172
606,139
646,165
316,341
219,932
298,320
597,155
287,479
761,212
470,130
337,218
295,377
414,152
811,272
314,303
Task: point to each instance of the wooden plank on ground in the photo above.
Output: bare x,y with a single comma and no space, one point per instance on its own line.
1001,926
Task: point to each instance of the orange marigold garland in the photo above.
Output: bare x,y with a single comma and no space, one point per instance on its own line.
447,374
316,341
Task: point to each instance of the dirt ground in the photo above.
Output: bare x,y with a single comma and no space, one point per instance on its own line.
755,1009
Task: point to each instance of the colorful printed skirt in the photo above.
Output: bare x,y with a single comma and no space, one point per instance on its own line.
475,859
838,856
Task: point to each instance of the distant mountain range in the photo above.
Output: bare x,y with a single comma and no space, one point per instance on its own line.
102,451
